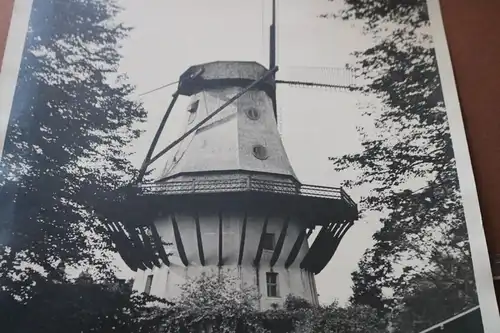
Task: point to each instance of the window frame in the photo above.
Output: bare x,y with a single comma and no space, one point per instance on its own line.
272,285
193,110
260,152
253,113
273,241
149,284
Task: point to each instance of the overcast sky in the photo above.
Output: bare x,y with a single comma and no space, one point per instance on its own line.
171,35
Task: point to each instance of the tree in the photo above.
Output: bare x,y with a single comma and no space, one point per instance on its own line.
216,303
81,305
407,161
70,120
423,294
219,303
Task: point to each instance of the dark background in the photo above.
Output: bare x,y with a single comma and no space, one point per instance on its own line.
472,29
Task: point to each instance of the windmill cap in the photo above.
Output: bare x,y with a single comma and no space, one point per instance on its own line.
220,74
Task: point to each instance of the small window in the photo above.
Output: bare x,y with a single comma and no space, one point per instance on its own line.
272,284
192,111
193,107
149,282
253,113
268,242
260,152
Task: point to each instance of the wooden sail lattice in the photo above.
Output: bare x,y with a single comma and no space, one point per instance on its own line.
336,78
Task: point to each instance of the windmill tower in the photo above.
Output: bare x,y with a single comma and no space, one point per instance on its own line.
229,199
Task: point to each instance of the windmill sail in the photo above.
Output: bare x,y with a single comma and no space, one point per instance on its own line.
318,77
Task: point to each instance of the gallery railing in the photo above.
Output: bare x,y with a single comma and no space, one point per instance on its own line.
246,184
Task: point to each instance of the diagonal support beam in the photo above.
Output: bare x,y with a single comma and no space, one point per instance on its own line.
260,248
213,114
321,251
318,245
339,235
146,163
296,248
280,242
159,245
121,247
242,239
148,247
134,252
139,247
178,242
199,240
221,262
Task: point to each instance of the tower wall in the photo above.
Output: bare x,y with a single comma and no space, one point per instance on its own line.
293,280
226,141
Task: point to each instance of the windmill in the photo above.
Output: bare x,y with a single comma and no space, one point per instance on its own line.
230,200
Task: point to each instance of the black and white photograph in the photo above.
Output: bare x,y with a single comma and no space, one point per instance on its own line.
267,166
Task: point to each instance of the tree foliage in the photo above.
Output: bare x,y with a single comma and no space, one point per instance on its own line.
220,303
70,120
408,162
213,302
81,305
430,296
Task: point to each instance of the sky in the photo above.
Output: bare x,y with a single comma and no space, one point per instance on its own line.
169,36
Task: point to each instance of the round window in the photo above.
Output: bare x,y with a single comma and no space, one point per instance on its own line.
253,113
260,152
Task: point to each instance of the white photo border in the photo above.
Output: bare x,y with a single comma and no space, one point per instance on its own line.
470,200
10,66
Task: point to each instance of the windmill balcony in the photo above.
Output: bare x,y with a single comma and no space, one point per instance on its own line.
321,203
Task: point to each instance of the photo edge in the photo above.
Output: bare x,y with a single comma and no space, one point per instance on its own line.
11,64
470,199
